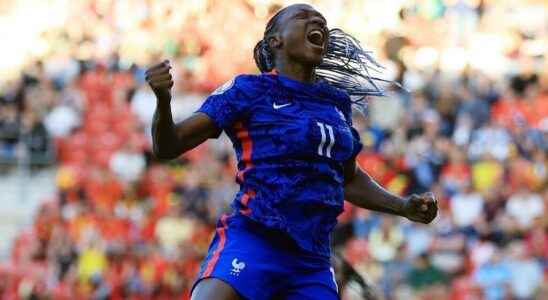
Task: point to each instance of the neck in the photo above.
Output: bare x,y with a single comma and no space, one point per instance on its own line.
296,71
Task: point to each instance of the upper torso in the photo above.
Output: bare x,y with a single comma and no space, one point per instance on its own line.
291,140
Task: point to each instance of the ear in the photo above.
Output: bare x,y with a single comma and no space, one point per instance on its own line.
275,41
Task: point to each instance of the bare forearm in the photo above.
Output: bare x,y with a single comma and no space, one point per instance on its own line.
163,132
363,191
171,140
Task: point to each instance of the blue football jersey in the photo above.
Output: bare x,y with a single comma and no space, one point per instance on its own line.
291,140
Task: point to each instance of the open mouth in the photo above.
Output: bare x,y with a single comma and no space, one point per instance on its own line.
316,37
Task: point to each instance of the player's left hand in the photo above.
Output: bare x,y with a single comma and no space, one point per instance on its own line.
421,208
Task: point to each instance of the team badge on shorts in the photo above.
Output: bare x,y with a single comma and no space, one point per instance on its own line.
237,267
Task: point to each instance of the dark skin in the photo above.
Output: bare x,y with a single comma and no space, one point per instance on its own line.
295,57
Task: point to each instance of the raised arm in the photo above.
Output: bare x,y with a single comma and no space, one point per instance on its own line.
170,140
362,190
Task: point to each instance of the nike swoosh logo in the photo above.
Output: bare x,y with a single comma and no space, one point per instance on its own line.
276,106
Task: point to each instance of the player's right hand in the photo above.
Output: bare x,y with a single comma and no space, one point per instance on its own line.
160,80
421,208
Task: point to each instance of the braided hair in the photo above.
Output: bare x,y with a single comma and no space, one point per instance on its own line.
345,65
262,54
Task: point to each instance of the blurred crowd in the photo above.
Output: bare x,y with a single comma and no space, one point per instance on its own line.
123,225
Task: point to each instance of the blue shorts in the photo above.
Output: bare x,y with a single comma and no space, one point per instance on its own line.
261,263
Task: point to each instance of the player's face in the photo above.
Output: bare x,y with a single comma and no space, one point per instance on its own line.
303,34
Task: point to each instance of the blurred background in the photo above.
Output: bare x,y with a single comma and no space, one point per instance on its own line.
87,213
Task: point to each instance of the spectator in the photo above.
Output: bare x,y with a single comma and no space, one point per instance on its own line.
172,230
524,206
35,137
455,175
92,263
473,106
385,241
486,174
9,130
395,278
525,271
491,139
466,206
128,163
494,276
424,275
61,121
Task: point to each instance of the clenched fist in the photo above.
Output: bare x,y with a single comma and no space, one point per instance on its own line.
421,208
160,80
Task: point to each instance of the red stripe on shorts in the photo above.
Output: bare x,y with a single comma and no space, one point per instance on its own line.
222,239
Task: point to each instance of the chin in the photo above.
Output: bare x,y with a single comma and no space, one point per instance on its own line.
307,56
316,62
313,58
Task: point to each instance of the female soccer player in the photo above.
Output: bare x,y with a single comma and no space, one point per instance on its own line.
292,132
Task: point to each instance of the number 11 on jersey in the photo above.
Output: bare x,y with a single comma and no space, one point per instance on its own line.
331,138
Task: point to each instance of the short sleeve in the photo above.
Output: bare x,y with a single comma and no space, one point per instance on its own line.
346,108
357,145
227,104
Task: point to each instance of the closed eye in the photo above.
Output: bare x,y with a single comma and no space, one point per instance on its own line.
302,15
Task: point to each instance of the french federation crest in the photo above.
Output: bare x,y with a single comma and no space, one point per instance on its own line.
237,267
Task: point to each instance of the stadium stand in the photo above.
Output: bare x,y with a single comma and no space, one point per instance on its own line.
122,225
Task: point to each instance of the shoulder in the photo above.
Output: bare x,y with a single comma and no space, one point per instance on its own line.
253,79
340,98
245,85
